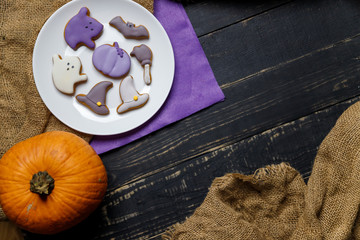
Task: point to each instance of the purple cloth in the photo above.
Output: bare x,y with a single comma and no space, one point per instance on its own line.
194,86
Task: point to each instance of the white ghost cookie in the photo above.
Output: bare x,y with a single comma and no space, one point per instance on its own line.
66,72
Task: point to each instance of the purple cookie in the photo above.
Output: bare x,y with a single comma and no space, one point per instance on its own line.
82,30
96,98
129,30
144,55
111,60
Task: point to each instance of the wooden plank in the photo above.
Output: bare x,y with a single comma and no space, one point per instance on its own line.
276,37
163,177
261,100
145,208
154,203
252,105
208,16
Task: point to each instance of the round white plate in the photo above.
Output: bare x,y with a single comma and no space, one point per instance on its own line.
66,108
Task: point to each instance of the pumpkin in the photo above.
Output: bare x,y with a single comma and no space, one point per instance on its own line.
51,182
111,60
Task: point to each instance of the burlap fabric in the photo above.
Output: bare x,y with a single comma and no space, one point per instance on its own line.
275,202
8,231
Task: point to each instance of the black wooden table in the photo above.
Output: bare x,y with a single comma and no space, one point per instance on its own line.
288,70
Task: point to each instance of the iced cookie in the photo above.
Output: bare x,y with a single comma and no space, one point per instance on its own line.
130,98
82,30
129,30
66,73
144,55
111,60
95,100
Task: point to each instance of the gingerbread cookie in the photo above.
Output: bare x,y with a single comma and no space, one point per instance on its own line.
129,30
66,73
130,98
111,60
95,100
82,30
144,55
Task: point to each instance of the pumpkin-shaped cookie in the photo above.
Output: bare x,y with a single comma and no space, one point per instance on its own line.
51,182
111,60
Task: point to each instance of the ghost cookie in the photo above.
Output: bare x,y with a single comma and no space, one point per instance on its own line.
129,30
111,60
66,73
82,30
144,55
95,100
130,98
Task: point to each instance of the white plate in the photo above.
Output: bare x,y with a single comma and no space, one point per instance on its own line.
51,41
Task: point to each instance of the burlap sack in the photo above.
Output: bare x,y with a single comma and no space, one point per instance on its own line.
9,231
22,112
275,203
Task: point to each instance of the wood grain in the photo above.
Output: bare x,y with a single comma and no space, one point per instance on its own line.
254,104
288,70
294,82
211,15
178,191
145,208
274,38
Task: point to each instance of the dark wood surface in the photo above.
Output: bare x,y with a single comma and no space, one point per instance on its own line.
288,70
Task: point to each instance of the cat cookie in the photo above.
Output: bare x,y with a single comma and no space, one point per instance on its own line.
95,100
111,60
129,30
144,55
82,30
130,98
66,73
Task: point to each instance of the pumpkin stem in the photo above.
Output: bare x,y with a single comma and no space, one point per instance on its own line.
42,183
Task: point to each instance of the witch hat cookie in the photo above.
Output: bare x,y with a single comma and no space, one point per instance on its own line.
130,98
96,98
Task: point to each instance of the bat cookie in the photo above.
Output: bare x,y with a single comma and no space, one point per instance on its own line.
129,30
130,98
111,60
82,30
66,73
95,100
144,55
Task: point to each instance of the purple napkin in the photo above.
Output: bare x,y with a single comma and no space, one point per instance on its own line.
194,86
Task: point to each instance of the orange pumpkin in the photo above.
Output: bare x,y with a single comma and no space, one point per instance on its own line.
51,182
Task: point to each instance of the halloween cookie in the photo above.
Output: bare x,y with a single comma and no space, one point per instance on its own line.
66,73
95,100
130,98
111,60
129,30
82,30
144,55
